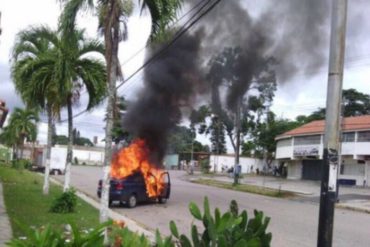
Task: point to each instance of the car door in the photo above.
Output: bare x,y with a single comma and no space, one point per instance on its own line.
165,177
139,187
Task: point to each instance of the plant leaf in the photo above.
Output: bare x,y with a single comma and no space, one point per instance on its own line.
173,229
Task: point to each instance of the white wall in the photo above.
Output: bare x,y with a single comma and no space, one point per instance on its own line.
88,156
284,152
218,161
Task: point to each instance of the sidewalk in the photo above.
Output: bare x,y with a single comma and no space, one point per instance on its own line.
5,228
350,197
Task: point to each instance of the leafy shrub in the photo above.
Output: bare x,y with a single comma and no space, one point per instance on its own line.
21,164
229,229
65,203
123,237
204,166
49,236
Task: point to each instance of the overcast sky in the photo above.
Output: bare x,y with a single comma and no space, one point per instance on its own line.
298,96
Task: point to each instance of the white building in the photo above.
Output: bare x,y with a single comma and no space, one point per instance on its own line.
248,165
301,151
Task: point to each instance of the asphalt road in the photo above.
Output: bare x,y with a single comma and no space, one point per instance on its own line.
293,223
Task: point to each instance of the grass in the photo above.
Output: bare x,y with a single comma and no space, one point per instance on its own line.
27,206
245,188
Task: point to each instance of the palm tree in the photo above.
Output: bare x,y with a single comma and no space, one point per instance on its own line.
74,71
22,126
48,72
112,24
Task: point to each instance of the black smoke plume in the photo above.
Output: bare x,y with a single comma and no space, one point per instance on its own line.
170,84
294,34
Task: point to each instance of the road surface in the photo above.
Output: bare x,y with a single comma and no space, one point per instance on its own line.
293,223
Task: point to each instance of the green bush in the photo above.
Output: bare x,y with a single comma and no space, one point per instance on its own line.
21,164
123,237
204,166
66,203
75,161
229,229
49,236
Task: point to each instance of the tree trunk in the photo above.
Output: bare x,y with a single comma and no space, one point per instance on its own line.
67,177
230,134
48,153
22,148
111,37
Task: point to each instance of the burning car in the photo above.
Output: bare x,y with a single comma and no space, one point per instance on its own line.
132,189
134,178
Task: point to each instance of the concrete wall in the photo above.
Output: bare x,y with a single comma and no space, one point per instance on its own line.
249,165
284,152
171,161
90,157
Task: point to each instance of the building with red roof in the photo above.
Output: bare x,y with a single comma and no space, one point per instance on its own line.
3,113
300,150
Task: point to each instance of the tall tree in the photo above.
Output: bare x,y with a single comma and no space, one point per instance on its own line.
22,126
261,138
33,74
217,132
225,73
113,15
49,70
23,123
77,69
355,103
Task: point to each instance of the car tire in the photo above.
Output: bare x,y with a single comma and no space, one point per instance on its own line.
132,201
162,200
110,202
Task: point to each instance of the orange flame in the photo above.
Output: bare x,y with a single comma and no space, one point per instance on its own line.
136,158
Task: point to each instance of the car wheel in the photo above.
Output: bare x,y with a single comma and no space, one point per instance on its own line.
110,202
162,200
132,201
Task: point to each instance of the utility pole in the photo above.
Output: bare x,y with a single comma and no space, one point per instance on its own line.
332,123
237,144
0,23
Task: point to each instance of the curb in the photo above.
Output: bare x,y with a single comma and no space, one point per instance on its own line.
352,208
192,179
6,230
131,224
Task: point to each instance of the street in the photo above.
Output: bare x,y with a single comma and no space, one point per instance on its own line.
293,222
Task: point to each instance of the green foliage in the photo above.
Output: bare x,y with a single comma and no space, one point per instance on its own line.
234,209
22,126
28,206
21,164
204,166
43,237
65,203
50,236
228,229
125,238
217,131
180,141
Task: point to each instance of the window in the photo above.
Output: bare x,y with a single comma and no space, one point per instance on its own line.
284,142
348,137
307,140
364,136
